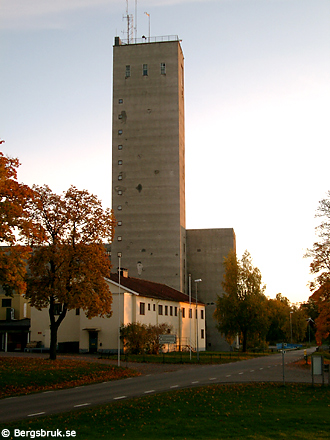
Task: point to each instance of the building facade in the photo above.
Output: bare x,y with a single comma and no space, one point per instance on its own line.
148,160
206,250
15,315
134,301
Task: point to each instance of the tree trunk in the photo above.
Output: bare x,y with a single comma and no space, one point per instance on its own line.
244,342
53,341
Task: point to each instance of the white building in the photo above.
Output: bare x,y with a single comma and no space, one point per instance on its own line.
134,300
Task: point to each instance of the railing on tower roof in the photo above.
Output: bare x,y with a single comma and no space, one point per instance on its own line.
150,39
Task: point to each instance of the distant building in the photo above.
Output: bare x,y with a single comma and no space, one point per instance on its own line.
14,322
134,301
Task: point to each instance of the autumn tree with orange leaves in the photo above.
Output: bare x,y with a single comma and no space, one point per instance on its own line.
68,266
14,197
320,267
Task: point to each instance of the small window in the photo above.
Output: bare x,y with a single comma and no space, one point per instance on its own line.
166,310
163,68
119,223
183,312
120,162
142,309
120,192
190,313
120,101
120,132
120,147
6,302
120,177
120,116
202,314
145,70
128,71
171,310
160,309
119,207
119,238
77,312
202,333
154,307
148,307
175,311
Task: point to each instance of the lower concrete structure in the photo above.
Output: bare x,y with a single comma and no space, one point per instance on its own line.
206,249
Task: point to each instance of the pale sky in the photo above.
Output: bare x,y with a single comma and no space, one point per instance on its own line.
257,94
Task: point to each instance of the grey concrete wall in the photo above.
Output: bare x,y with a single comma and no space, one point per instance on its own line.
148,176
206,249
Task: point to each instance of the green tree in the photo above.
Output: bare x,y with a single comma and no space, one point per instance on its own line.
279,313
242,309
68,266
141,338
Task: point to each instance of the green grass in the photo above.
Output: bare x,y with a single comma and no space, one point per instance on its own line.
249,412
26,375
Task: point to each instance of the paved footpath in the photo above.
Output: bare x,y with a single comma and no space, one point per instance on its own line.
265,369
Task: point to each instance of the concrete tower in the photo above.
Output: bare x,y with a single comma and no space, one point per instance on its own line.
148,160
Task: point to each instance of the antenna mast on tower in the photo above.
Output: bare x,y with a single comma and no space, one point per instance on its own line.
129,18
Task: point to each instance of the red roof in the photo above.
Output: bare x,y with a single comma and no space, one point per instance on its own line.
151,289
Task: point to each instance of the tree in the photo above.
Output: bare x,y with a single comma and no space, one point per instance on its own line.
242,309
14,197
320,267
141,338
279,315
68,266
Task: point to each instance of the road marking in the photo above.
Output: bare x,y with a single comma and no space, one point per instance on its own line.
174,386
149,391
212,378
36,414
46,392
260,368
196,381
228,375
120,397
251,371
82,404
241,373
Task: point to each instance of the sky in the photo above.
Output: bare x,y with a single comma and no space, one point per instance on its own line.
257,108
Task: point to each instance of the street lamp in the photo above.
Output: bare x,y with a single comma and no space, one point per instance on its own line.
196,282
190,311
291,326
119,261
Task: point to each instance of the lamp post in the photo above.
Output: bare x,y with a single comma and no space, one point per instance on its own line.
291,326
119,258
190,311
196,282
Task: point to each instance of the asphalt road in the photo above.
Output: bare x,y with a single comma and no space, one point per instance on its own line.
265,369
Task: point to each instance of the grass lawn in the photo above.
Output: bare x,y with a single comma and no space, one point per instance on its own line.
247,411
26,375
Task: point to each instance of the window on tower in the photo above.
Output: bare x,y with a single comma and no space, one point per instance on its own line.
120,132
163,68
128,71
120,162
145,70
120,147
120,101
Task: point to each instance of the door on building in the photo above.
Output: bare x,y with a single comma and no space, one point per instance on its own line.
92,342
